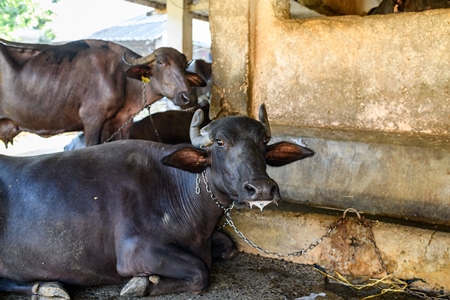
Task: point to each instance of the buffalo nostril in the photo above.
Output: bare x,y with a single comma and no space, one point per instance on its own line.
185,98
265,189
250,189
274,189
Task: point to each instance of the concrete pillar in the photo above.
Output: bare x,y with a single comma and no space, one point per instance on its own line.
230,25
179,26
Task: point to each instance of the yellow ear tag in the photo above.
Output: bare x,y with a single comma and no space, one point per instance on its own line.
145,79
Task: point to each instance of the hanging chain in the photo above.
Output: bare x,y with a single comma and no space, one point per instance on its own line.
153,123
144,98
229,221
213,197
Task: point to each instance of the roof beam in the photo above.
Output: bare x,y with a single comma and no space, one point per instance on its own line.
203,5
155,4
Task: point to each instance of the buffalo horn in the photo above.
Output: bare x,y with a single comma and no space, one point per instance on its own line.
139,61
199,139
263,118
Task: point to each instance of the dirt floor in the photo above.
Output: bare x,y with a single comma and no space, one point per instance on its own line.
249,276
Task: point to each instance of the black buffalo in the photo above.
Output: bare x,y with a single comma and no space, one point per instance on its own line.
168,127
87,85
132,208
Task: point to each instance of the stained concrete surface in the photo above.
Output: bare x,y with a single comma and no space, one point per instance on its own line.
248,276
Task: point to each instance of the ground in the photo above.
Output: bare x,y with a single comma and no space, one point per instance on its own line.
247,277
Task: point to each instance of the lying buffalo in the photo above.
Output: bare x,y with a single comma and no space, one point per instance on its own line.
399,6
90,85
168,127
132,208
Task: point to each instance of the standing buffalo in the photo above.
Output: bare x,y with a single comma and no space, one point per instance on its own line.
87,85
132,208
170,127
399,6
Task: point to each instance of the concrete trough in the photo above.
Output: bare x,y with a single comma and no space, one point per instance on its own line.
356,249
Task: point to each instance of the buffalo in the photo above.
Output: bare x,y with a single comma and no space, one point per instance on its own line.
132,210
90,85
400,6
168,127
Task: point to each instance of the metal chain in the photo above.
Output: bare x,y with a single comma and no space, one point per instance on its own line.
153,123
213,197
144,98
229,221
367,223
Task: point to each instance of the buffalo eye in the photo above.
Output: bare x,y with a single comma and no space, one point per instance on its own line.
266,140
220,143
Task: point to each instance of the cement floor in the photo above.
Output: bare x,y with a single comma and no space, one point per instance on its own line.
248,277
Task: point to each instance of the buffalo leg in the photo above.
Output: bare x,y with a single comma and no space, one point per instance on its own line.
11,286
93,122
179,272
92,136
222,246
115,130
37,290
172,270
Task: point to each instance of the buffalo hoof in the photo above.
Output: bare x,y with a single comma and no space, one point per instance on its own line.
154,279
137,286
49,291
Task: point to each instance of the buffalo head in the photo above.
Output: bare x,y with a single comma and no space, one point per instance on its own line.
165,68
235,153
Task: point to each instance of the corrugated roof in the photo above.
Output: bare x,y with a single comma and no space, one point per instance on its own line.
142,28
149,28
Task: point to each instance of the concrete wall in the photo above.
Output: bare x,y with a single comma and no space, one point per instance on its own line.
371,95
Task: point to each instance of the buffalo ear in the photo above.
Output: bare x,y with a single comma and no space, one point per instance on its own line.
283,153
137,72
195,79
189,159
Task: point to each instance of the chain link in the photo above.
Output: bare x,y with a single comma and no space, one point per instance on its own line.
213,197
153,123
229,222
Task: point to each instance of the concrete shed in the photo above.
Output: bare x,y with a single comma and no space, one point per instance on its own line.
371,95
